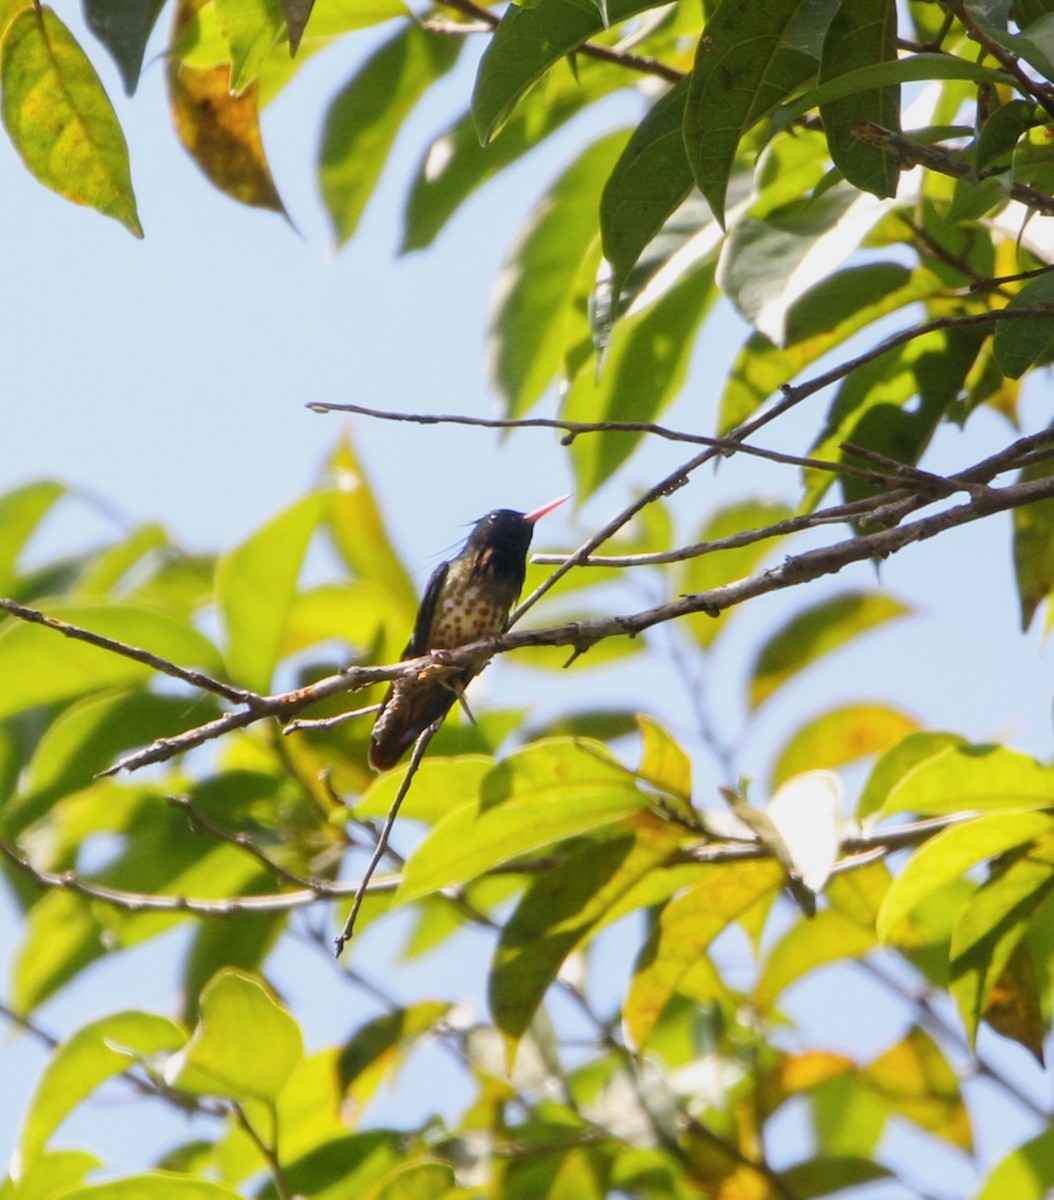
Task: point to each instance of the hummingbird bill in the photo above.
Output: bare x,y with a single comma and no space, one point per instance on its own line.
468,599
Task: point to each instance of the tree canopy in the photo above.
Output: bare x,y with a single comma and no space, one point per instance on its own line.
182,750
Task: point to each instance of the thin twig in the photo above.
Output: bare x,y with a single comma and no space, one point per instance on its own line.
420,746
197,679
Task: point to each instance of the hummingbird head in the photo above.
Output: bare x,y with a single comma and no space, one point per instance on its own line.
502,538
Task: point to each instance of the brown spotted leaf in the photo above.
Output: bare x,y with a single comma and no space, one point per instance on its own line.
221,132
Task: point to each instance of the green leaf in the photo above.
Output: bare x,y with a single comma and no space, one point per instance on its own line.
743,69
529,325
238,1019
89,736
157,1185
650,181
1001,133
815,632
83,1061
440,785
526,43
559,911
822,318
123,27
643,370
862,34
990,928
829,937
366,116
40,666
456,165
897,762
684,930
949,855
251,28
829,1174
343,1166
1018,344
296,13
707,571
60,119
255,586
60,936
542,794
1026,1173
964,778
21,511
842,735
914,69
377,1048
51,1173
1034,547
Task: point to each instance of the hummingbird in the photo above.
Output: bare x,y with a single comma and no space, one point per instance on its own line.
468,598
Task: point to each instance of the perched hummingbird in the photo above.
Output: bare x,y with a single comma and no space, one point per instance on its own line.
467,599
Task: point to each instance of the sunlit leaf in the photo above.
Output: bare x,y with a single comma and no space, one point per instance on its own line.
440,785
60,119
528,331
238,1018
51,1172
250,28
842,735
685,928
950,854
366,115
829,937
255,585
21,511
540,795
158,1185
80,1063
663,762
1034,547
820,319
1026,1173
964,778
898,762
814,633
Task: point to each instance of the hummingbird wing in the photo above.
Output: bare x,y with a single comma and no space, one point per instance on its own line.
420,639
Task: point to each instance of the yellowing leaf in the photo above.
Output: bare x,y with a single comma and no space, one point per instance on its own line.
916,1081
60,119
663,763
829,937
1027,1172
840,736
220,132
686,927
